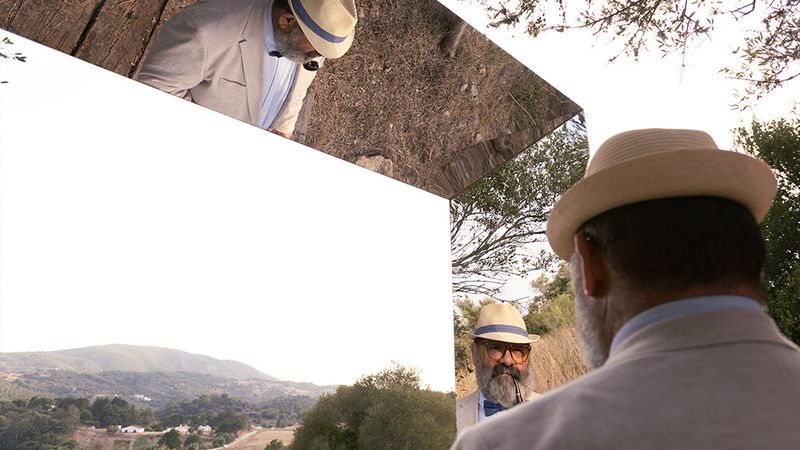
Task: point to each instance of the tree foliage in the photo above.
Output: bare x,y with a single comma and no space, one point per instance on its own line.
192,441
171,439
38,424
554,305
5,53
275,444
768,53
496,221
778,144
387,410
225,414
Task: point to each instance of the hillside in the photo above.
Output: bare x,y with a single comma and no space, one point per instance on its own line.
155,389
126,358
147,376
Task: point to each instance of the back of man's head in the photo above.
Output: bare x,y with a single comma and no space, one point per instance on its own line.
674,245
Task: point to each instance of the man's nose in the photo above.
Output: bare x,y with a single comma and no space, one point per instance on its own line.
507,358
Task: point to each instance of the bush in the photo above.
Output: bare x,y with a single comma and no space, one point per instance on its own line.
275,444
387,410
554,307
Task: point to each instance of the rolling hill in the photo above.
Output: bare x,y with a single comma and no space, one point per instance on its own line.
150,376
126,358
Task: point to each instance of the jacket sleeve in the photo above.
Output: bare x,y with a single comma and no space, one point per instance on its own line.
177,59
287,118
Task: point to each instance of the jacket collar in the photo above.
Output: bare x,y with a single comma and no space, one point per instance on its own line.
700,330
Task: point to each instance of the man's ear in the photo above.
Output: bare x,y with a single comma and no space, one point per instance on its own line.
593,266
286,20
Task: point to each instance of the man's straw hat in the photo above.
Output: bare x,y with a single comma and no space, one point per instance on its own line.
328,24
502,322
650,164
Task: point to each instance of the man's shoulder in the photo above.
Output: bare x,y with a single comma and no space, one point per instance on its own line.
204,7
532,395
219,16
513,429
467,399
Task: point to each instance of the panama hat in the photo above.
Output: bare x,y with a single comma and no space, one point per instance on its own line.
502,322
651,164
328,24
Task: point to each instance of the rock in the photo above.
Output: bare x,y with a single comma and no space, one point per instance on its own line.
473,90
377,163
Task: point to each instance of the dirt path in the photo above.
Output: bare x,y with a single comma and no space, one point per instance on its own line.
260,438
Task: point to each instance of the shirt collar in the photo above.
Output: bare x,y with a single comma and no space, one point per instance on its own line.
271,46
481,412
679,308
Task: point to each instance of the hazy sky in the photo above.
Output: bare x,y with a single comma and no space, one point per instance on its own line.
131,216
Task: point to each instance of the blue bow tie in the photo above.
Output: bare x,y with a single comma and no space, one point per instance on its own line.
276,54
491,408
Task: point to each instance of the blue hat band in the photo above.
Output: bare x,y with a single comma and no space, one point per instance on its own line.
501,329
302,14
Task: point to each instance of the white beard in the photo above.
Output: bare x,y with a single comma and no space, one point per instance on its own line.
286,45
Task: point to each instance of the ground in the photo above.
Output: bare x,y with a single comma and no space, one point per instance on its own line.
260,439
99,439
395,94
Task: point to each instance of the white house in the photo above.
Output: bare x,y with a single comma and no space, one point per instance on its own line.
133,429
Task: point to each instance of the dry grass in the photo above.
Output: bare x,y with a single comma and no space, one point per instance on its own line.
261,438
396,94
556,359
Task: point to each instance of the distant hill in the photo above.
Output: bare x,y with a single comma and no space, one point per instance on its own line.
126,358
149,376
153,389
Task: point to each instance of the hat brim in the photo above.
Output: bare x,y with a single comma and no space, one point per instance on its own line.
679,173
324,47
511,338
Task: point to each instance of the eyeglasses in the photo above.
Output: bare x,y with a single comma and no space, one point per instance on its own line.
497,350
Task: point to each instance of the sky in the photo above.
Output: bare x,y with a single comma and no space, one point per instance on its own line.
131,216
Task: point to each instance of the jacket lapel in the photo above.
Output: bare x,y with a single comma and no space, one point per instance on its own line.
253,47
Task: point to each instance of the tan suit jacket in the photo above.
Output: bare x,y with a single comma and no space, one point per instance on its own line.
467,410
212,53
722,380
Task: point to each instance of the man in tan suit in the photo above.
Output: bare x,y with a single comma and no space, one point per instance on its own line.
666,259
249,59
500,350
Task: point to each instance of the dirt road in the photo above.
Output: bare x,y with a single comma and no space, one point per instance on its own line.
261,438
